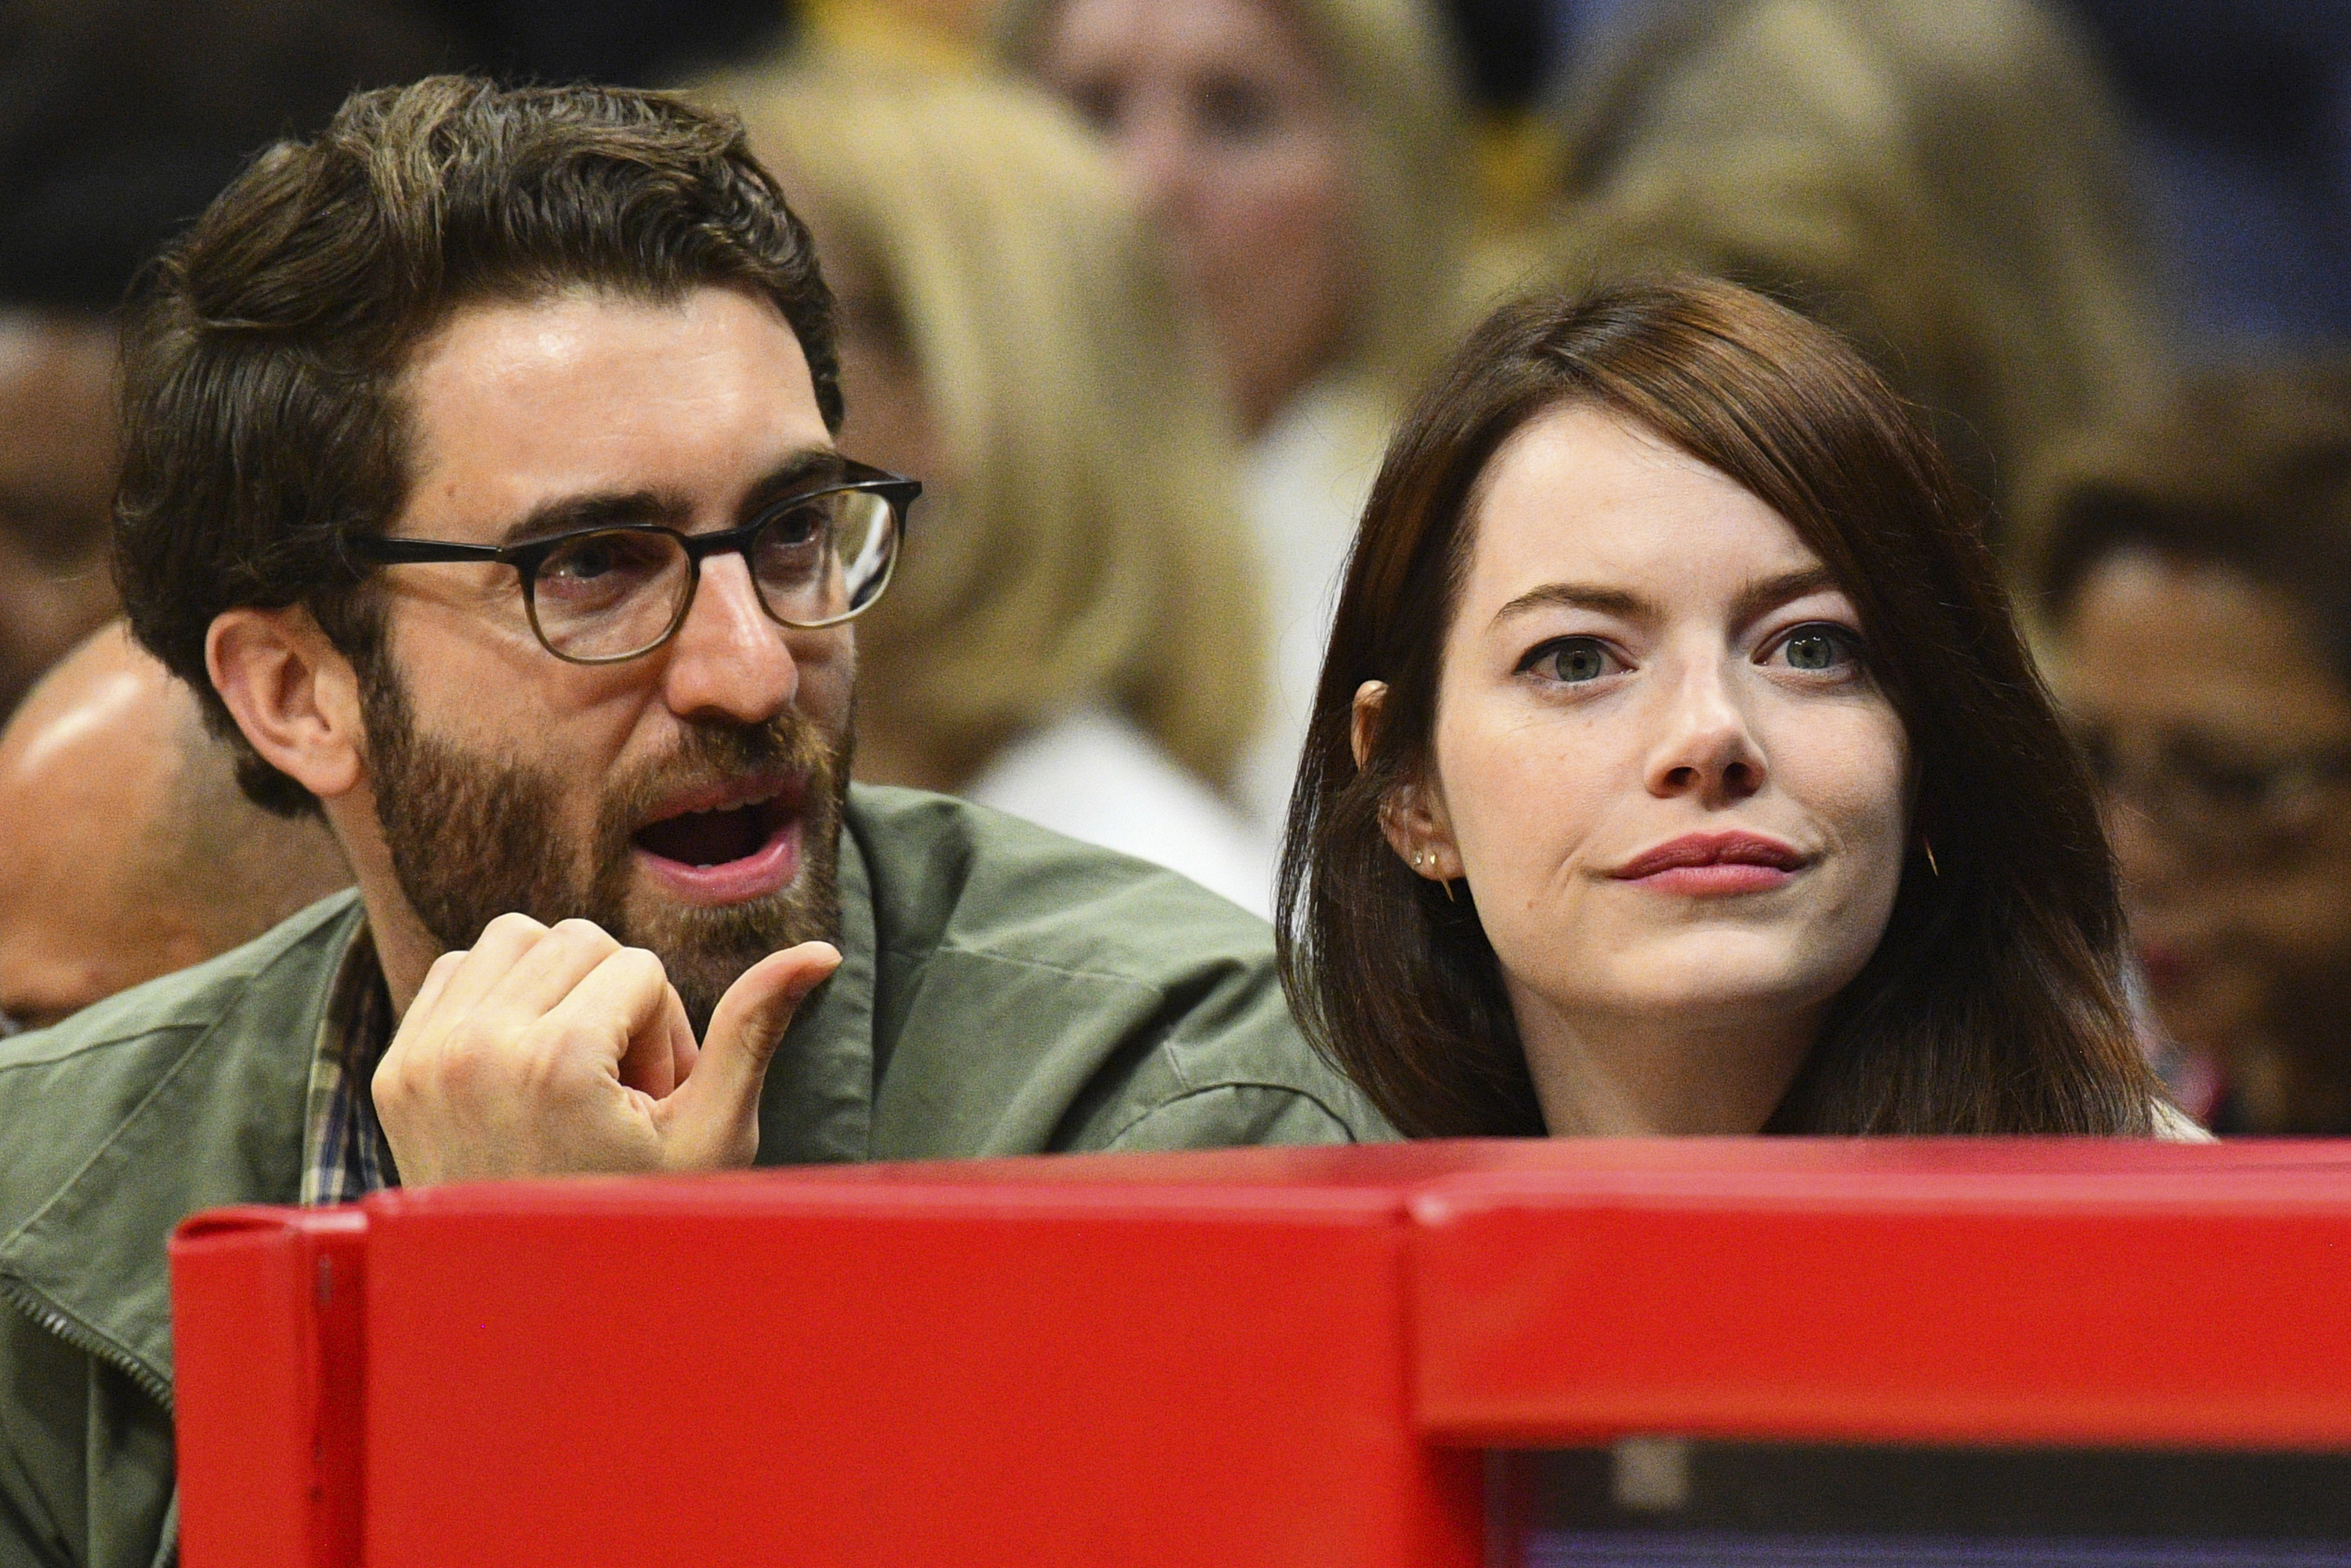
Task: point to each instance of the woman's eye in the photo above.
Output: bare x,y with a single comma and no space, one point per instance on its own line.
1820,648
1574,662
1097,103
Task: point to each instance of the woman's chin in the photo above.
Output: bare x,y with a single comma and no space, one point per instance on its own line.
1768,970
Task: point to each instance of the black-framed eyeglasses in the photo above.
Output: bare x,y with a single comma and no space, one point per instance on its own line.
598,596
2208,795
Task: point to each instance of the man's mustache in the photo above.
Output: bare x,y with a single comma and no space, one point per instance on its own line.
709,753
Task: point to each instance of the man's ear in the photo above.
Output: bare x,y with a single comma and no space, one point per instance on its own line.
292,692
1413,818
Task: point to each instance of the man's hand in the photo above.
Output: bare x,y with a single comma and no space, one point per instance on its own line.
552,1051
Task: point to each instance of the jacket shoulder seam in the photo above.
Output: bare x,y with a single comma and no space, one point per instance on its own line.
110,1041
1293,1090
923,955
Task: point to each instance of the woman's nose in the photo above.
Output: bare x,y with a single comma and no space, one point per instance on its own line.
1704,746
1158,154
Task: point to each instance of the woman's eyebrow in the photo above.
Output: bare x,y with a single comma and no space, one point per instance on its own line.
1766,594
1579,596
1755,599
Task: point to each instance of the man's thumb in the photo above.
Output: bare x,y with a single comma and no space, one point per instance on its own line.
717,1109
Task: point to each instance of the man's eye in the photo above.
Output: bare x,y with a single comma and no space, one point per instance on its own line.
1820,648
1572,661
586,563
597,557
792,527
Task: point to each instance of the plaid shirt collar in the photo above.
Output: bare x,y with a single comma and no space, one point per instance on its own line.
344,1156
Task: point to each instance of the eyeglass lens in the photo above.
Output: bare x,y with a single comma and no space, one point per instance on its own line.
621,591
2200,793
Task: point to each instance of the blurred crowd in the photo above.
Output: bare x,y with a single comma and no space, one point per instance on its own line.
1138,288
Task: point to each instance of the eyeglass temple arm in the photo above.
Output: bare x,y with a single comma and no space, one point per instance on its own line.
394,551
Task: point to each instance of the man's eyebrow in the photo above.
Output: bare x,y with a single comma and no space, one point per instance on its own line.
807,468
621,508
1578,596
1762,597
597,509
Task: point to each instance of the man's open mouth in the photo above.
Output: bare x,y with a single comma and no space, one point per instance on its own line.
741,824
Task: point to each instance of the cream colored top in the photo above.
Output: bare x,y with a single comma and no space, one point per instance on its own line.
1308,476
2172,1126
1093,776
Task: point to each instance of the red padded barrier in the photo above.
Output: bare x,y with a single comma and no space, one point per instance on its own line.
1261,1356
1971,1292
267,1344
926,1366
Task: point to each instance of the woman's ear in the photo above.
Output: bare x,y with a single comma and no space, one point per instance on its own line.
292,692
1413,818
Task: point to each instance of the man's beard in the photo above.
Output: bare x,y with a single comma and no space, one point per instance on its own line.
474,836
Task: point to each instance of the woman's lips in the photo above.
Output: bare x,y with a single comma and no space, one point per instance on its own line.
1716,881
1713,865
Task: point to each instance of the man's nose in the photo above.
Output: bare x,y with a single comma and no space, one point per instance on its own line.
1705,745
730,660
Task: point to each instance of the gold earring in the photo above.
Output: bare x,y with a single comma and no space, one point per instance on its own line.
1928,845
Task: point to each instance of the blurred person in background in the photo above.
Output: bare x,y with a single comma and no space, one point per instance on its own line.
56,479
1307,164
126,848
2197,581
1946,182
119,121
1078,640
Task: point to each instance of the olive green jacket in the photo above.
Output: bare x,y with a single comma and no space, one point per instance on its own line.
1002,992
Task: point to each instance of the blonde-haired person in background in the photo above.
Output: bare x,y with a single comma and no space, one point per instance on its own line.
1075,635
1945,180
1308,166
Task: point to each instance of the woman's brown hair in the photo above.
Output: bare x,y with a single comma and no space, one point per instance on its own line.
1992,1003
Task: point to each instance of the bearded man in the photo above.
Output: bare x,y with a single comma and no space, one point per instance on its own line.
479,476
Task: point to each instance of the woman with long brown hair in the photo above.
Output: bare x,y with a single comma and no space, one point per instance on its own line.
1676,765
